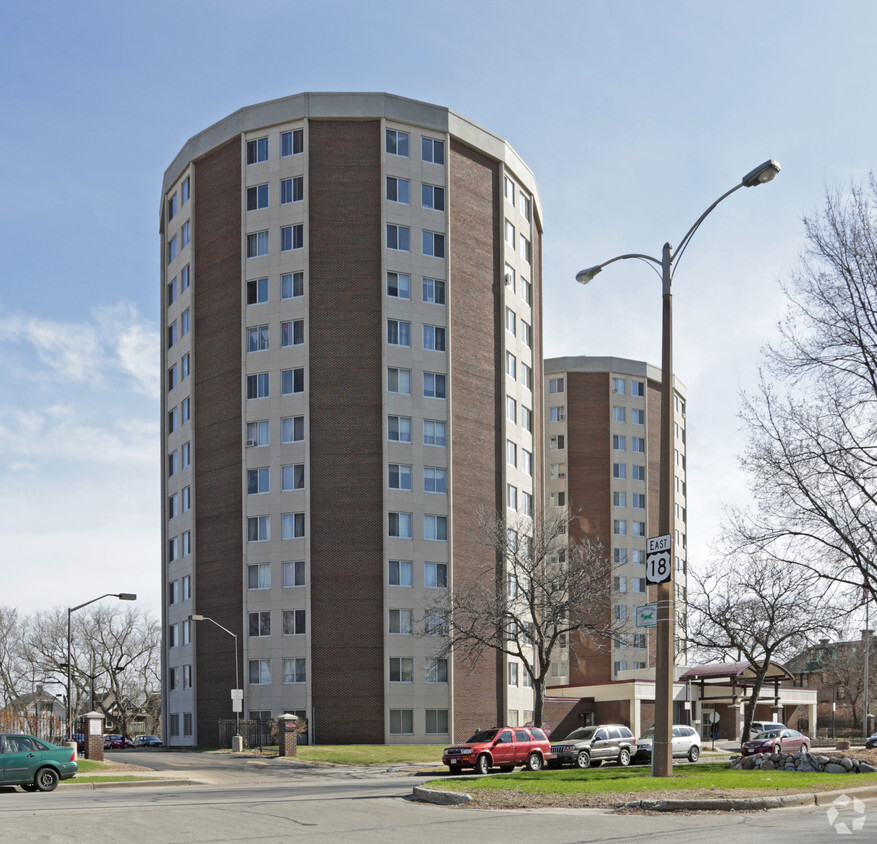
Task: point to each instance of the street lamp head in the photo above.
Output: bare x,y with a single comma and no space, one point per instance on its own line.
126,596
761,174
584,276
196,618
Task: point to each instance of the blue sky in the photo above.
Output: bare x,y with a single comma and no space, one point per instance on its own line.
634,117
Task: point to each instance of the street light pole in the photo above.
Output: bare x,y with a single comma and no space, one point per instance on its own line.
122,596
236,678
662,760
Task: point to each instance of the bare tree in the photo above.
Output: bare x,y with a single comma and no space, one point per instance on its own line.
554,586
812,455
760,609
845,672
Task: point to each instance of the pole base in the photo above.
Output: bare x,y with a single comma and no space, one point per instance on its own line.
237,744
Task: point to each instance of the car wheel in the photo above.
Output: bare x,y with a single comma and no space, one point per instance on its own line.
624,757
805,748
507,768
777,749
46,779
534,762
583,760
693,753
482,764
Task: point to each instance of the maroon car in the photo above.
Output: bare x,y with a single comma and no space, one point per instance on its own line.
113,741
777,741
499,747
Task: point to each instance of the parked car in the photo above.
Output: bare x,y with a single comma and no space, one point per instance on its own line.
777,741
686,742
79,738
148,741
871,742
34,764
757,727
113,741
499,747
588,746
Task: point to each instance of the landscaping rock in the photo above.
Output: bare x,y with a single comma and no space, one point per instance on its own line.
833,768
865,768
804,762
768,765
846,763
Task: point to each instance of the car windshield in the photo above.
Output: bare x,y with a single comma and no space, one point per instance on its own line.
648,734
483,735
580,734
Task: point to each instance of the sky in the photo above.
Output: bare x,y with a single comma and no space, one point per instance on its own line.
634,116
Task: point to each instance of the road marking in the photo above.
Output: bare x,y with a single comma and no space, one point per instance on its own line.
255,762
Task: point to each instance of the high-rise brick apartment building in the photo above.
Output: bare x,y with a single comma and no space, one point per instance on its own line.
602,460
351,296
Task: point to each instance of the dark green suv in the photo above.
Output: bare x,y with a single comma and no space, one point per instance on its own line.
591,746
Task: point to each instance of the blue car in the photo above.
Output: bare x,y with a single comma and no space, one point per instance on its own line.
34,764
871,741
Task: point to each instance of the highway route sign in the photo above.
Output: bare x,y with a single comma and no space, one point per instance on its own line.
659,559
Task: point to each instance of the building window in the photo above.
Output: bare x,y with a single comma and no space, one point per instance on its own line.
513,673
401,669
399,381
511,365
620,612
638,416
258,529
294,622
185,322
257,291
556,414
619,556
556,443
511,409
398,190
292,429
637,388
187,542
292,526
435,480
512,496
293,574
527,334
400,573
257,197
260,672
257,338
510,321
434,291
435,575
291,285
524,205
511,453
619,527
619,414
187,684
639,500
526,291
526,375
619,442
257,433
432,197
257,244
618,386
620,665
399,476
185,455
399,285
172,292
184,279
175,725
173,674
619,584
402,722
639,528
398,333
185,367
435,528
555,385
292,477
526,419
292,381
619,471
257,386
400,525
184,191
292,237
432,151
638,557
510,234
295,670
172,249
173,465
292,190
436,722
259,624
399,238
186,495
436,671
292,333
638,584
397,143
435,433
399,429
557,499
401,622
524,248
172,377
509,189
619,499
434,338
433,244
527,462
259,576
257,150
172,207
434,385
171,334
292,143
526,503
257,481
173,422
638,445
173,635
173,592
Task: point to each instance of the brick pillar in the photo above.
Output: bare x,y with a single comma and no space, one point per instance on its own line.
287,737
94,736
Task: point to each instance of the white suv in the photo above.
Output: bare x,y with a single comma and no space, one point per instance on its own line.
757,727
686,742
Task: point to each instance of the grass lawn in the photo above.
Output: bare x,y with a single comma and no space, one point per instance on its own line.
638,780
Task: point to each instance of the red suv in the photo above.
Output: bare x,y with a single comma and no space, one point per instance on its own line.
500,747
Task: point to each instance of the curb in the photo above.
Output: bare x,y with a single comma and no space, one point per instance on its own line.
137,784
440,798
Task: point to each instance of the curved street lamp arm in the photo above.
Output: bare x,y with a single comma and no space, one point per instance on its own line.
631,255
690,233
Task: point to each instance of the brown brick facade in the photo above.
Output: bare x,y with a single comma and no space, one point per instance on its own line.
476,420
589,474
346,431
217,432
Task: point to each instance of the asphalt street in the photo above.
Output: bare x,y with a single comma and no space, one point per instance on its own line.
274,802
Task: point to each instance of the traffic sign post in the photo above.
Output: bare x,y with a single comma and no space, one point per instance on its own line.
659,559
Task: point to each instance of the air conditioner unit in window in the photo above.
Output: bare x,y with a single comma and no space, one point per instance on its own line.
508,279
561,474
251,443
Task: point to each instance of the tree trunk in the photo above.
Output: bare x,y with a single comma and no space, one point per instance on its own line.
538,700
